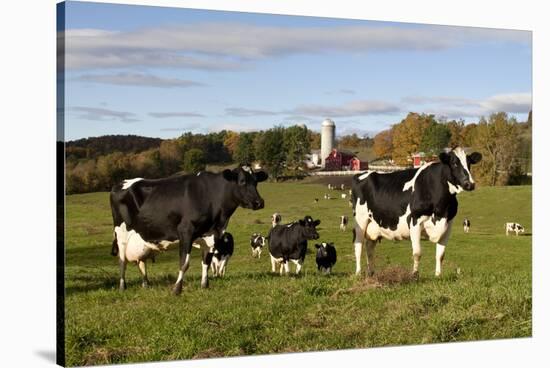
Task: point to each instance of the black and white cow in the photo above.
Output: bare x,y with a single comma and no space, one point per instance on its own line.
466,225
150,214
275,219
515,227
343,222
216,252
326,257
257,242
288,242
405,203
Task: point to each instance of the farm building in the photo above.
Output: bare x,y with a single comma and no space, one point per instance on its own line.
339,160
420,158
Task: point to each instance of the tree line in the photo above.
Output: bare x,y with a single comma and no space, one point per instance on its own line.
504,143
96,164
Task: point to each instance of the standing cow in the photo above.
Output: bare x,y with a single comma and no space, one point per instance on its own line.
402,204
257,242
515,227
325,257
156,213
289,243
466,225
275,219
343,222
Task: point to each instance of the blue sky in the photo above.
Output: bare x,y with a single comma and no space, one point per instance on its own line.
160,72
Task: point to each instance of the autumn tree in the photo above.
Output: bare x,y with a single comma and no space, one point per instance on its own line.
314,140
231,141
407,136
496,140
383,143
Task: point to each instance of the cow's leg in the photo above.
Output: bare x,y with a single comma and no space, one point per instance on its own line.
440,248
207,255
287,267
358,237
298,264
143,269
186,241
415,233
273,264
371,244
122,266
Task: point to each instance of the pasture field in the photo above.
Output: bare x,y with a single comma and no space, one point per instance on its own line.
484,292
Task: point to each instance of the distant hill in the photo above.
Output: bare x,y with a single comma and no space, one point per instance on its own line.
97,146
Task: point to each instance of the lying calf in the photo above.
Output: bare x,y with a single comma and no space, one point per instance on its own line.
289,243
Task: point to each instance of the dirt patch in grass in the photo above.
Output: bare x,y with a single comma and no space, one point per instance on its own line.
112,355
389,276
209,353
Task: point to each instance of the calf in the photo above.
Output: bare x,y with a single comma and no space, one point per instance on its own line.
466,225
275,219
216,252
515,227
343,222
405,203
257,242
289,243
326,257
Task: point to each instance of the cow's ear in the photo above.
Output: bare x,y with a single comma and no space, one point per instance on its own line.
260,176
444,157
302,222
474,158
317,246
316,222
229,175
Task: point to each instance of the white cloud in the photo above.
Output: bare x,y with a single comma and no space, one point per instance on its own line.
101,114
222,46
354,108
458,107
138,79
175,114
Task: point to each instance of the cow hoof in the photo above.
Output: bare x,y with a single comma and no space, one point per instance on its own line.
145,284
415,275
176,290
122,286
204,284
370,273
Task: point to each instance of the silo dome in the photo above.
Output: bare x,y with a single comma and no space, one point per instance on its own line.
328,122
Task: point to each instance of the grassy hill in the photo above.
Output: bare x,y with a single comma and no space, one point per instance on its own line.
484,293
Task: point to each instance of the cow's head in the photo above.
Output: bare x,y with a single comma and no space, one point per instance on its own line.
459,166
245,181
308,225
323,249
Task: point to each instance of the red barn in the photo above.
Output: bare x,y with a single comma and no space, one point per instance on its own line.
341,160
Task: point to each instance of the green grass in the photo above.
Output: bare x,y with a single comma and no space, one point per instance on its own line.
484,292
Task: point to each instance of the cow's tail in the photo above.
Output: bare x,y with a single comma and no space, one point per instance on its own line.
114,247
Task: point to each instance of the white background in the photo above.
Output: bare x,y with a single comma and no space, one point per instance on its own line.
27,181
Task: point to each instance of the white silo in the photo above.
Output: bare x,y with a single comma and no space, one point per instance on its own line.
328,129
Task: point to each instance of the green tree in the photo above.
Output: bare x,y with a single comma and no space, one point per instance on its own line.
296,146
194,161
270,151
436,137
244,151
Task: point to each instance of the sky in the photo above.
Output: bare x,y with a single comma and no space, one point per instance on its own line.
161,72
